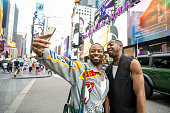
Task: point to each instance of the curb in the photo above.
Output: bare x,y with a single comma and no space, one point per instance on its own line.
31,77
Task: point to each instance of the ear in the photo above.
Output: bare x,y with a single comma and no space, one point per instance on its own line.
120,47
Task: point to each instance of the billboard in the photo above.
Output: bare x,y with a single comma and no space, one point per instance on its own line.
11,44
65,47
120,23
39,7
83,24
39,18
86,46
75,40
101,36
1,16
148,20
104,11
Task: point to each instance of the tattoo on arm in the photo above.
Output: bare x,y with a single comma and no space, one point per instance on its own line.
139,73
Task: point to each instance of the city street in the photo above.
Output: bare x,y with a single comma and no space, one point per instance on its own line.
42,93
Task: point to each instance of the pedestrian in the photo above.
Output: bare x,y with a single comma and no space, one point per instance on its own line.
0,64
96,80
33,67
37,65
30,66
5,64
16,67
126,89
21,67
9,67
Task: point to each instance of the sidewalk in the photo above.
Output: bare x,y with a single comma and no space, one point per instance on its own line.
26,75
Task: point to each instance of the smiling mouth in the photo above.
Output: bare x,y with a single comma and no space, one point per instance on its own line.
109,51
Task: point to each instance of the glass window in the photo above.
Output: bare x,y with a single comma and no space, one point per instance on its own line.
161,62
144,61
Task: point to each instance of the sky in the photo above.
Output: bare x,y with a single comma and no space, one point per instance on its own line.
58,13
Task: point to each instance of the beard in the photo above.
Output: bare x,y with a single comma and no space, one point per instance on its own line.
96,63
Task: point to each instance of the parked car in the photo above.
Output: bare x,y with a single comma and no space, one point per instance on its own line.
156,69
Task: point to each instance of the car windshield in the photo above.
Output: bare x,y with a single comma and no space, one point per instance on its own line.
144,61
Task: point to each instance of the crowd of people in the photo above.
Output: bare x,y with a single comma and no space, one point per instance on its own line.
19,66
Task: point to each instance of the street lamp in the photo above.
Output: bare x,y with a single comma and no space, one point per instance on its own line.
137,48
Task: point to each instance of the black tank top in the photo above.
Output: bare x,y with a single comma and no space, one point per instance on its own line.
121,94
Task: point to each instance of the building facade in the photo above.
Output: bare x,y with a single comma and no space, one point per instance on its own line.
82,22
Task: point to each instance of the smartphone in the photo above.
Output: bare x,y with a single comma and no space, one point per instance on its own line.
50,30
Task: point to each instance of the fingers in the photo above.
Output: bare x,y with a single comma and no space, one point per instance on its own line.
44,36
41,41
39,45
37,51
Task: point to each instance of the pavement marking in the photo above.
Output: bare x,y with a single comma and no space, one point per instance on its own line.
16,103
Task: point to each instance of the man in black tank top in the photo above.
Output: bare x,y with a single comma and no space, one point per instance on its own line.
126,82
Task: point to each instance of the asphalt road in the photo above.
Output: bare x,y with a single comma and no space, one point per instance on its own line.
158,104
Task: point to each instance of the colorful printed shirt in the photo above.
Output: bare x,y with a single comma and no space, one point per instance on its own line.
74,72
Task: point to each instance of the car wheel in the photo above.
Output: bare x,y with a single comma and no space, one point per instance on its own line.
148,90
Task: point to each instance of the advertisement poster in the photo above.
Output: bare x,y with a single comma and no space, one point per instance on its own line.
39,20
101,37
65,47
120,24
104,11
86,46
11,44
84,23
148,20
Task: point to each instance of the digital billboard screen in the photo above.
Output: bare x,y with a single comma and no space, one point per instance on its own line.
11,44
101,36
148,20
104,11
65,47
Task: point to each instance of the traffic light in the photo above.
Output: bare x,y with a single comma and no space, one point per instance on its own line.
77,1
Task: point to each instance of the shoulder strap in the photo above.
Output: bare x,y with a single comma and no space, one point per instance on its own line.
83,91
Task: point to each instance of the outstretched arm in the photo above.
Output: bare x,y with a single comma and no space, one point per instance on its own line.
63,66
138,85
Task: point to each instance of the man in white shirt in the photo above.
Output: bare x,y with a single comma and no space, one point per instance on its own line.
5,67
